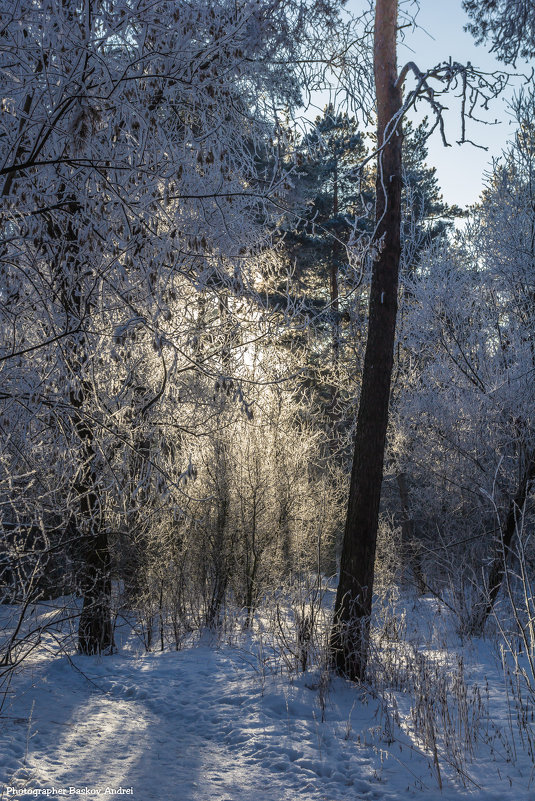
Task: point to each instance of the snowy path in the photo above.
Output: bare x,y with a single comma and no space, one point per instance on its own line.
191,726
203,725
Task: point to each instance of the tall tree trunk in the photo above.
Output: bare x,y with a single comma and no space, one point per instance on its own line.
95,633
350,633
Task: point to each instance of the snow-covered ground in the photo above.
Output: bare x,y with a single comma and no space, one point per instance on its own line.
210,723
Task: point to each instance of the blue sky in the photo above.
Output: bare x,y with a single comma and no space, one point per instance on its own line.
460,169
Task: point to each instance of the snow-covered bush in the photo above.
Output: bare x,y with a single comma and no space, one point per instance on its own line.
464,417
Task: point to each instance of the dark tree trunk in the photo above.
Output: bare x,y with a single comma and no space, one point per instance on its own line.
350,633
95,633
499,564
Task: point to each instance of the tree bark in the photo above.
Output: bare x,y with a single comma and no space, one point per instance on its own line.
499,564
350,633
95,632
